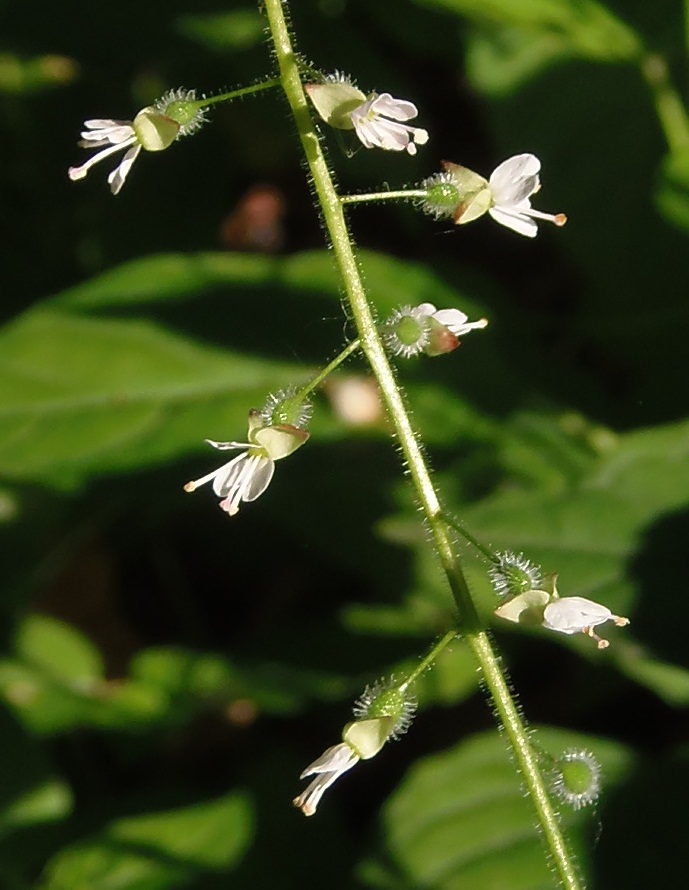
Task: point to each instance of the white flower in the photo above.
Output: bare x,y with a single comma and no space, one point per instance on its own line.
565,615
247,475
115,136
375,118
327,769
511,184
155,128
377,124
361,740
455,321
411,330
575,614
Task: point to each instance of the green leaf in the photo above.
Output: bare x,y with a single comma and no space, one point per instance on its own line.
500,60
237,30
85,395
29,792
59,650
35,74
585,27
460,819
672,196
157,851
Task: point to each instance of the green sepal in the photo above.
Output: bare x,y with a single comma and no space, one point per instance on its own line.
280,441
526,608
367,737
474,194
155,131
334,102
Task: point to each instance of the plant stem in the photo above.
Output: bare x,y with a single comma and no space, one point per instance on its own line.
320,377
429,659
237,94
401,194
371,344
486,551
669,106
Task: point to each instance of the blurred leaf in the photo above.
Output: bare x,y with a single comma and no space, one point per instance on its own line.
59,650
29,792
90,395
157,851
171,277
589,534
36,74
198,679
500,60
668,681
672,196
587,27
460,819
237,30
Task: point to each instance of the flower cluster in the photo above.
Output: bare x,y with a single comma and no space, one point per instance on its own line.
463,195
154,128
377,119
247,475
411,330
566,615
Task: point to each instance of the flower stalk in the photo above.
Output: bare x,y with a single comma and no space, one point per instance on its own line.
399,195
371,343
316,381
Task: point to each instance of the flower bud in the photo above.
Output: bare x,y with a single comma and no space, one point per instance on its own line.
286,406
457,192
576,778
411,330
389,699
513,573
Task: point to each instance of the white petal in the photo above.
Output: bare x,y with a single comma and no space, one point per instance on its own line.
112,135
453,319
524,225
226,477
397,109
571,614
119,174
457,322
423,310
260,479
382,133
99,123
227,446
517,192
336,759
514,168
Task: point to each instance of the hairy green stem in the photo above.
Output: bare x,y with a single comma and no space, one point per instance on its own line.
372,346
237,94
486,551
429,659
400,195
328,369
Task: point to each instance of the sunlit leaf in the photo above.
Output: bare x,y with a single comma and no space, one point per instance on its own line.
157,851
460,818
